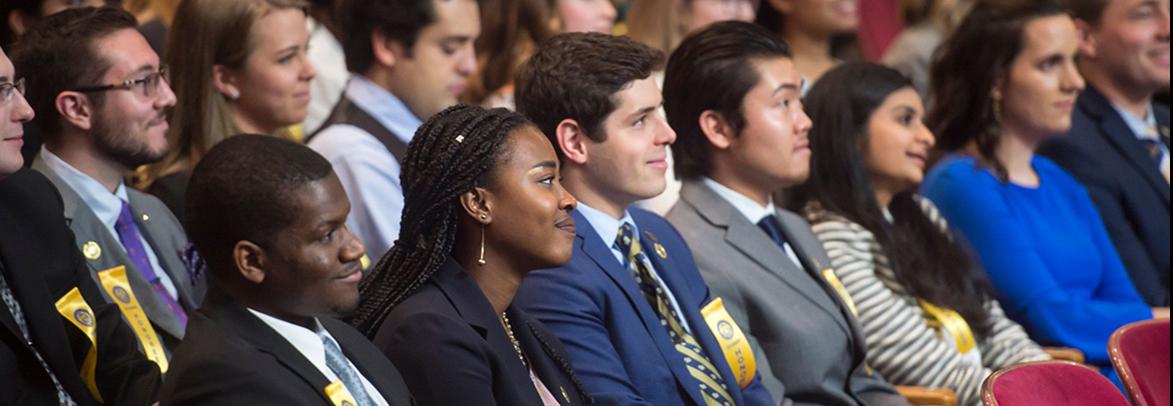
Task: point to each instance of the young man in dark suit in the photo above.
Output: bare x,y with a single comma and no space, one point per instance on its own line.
269,218
60,342
630,306
1118,146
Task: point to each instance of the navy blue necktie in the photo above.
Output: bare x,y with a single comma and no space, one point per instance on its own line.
770,225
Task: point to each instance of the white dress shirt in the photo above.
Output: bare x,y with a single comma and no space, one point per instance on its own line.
608,229
309,344
107,207
752,211
368,171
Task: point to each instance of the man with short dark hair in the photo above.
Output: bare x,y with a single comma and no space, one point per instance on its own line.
1118,146
102,95
269,218
60,342
410,59
638,323
733,95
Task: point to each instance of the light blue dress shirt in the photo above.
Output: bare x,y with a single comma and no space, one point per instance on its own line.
607,228
750,209
1143,129
105,205
369,173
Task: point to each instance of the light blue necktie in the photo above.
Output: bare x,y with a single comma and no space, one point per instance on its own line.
337,363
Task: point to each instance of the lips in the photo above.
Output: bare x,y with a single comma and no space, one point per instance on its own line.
567,225
920,158
1067,105
352,275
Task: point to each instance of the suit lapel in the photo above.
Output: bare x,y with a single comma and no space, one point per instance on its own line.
1113,127
362,354
156,232
538,354
265,339
88,230
590,243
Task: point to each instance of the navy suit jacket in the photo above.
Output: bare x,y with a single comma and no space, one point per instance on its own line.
1126,186
621,353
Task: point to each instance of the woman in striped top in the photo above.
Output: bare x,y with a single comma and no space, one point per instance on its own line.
927,311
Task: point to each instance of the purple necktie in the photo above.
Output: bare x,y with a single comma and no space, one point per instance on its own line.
128,233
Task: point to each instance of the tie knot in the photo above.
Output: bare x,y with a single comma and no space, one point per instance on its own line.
770,225
125,216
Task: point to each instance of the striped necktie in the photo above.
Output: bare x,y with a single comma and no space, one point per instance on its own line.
1152,143
712,386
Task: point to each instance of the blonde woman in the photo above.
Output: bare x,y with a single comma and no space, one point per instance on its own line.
238,66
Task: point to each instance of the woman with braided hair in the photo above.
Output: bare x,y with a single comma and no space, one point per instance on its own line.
483,205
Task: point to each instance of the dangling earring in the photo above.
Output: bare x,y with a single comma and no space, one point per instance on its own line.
481,260
996,97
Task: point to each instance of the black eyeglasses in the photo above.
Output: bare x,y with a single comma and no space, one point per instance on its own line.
147,86
9,89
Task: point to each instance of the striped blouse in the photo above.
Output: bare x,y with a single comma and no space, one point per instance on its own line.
902,344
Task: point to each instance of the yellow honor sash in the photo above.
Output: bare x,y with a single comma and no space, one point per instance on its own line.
338,394
833,280
950,322
74,308
118,287
732,341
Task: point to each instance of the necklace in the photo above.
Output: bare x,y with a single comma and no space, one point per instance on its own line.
513,339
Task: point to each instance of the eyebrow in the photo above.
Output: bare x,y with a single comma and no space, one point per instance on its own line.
645,110
787,86
546,164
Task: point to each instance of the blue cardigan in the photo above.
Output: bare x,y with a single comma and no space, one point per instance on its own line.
1046,251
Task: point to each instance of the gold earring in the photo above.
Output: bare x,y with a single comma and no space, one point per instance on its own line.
481,260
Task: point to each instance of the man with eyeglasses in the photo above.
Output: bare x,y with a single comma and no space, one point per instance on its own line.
102,96
60,343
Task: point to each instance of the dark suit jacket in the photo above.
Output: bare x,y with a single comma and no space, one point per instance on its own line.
231,357
621,353
1126,186
810,348
448,336
41,264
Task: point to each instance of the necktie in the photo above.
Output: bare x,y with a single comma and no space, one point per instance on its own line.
337,363
132,242
770,225
14,307
1152,143
713,388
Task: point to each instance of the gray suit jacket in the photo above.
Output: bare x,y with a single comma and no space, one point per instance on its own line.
165,236
810,349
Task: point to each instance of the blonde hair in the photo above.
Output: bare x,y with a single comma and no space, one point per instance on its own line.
147,10
205,33
657,23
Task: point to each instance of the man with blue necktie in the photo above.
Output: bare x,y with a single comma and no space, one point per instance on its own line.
638,323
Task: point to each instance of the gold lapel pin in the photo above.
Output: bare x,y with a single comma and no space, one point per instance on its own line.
365,262
146,217
564,394
91,250
656,245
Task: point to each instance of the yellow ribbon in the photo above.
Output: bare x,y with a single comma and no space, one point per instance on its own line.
836,284
733,342
74,308
952,323
338,394
118,287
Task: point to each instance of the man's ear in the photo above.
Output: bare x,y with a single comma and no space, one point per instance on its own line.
477,203
716,129
387,52
572,140
1087,39
250,260
75,108
225,82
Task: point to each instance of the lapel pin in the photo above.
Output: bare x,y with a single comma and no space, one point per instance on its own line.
146,217
365,262
564,394
91,250
656,245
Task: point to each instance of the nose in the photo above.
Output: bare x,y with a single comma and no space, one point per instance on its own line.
666,135
467,64
568,202
307,69
1163,31
354,248
804,123
23,112
1072,80
166,96
926,136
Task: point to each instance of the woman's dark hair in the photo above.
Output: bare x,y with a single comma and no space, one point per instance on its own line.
968,64
926,260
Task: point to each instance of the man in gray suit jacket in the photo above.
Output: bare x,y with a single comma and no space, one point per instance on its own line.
101,103
733,96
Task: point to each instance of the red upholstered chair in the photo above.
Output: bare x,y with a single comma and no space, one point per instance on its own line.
1050,383
1140,353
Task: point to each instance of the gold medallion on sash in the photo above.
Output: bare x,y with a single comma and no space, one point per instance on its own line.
732,341
837,285
338,394
950,322
118,287
74,308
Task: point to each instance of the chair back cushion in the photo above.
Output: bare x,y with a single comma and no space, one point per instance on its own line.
1050,383
1140,353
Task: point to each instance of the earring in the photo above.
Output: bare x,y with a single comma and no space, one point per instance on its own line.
481,260
233,94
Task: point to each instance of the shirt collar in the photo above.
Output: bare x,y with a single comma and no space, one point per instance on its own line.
1140,127
605,226
384,106
752,211
105,205
306,341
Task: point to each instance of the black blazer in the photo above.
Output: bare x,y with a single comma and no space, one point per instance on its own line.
1126,186
41,264
447,334
231,357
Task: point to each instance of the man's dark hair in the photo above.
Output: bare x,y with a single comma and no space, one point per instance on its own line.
400,20
713,70
576,75
243,190
1090,11
59,53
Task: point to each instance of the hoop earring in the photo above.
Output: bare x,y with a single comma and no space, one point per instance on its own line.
481,260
